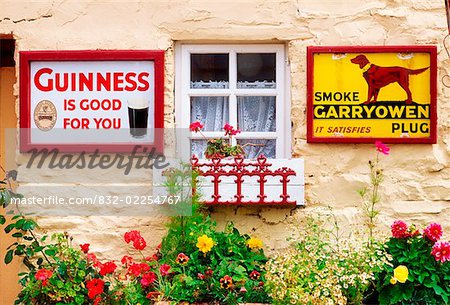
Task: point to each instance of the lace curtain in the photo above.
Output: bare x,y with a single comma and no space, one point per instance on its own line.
255,113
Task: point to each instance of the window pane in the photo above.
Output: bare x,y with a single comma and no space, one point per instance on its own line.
211,111
256,113
198,147
256,70
254,148
209,71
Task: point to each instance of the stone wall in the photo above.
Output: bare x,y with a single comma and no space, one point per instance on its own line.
417,184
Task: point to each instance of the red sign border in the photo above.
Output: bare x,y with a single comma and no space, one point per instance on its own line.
26,57
431,49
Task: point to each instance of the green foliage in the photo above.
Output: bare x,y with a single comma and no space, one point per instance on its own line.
222,148
428,280
199,279
318,269
69,270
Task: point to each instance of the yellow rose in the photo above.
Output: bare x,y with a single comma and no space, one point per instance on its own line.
255,243
401,273
393,281
205,243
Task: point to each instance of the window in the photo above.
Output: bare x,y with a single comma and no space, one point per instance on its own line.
243,85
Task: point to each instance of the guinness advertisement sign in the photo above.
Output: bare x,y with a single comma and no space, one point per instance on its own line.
91,100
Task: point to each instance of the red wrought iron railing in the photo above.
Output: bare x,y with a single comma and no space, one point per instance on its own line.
239,171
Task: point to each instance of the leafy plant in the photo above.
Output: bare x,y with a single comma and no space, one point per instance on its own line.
419,269
370,195
208,265
221,147
320,269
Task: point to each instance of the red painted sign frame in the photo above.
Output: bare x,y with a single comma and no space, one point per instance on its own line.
432,50
26,57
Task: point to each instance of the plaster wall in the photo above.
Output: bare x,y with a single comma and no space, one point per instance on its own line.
417,183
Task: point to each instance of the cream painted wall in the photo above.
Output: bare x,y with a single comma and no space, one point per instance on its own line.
417,186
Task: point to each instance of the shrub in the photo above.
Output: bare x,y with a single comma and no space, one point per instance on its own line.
419,269
318,270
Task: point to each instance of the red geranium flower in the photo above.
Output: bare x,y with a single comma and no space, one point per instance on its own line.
148,279
95,287
138,269
399,229
91,257
441,251
43,275
139,244
229,130
131,236
182,259
126,260
107,268
254,275
85,248
433,232
97,300
196,126
382,148
164,269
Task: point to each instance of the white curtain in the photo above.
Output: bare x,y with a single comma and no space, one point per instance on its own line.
255,114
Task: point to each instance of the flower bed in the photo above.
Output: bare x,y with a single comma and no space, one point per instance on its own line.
198,264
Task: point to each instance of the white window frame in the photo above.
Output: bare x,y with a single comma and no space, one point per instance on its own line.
183,92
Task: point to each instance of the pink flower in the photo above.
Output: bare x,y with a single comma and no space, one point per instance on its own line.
196,126
433,232
382,148
229,130
85,248
399,229
148,279
441,251
164,269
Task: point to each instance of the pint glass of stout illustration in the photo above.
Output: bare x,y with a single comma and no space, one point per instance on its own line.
138,117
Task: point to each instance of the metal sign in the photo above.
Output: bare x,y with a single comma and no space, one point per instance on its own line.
91,100
363,94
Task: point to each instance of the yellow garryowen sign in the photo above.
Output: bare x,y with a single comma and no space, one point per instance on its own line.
363,94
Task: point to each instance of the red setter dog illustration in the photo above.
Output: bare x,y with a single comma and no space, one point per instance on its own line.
378,77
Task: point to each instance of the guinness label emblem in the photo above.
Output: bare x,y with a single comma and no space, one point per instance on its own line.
45,115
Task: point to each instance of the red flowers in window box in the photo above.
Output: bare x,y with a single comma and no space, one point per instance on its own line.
196,126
